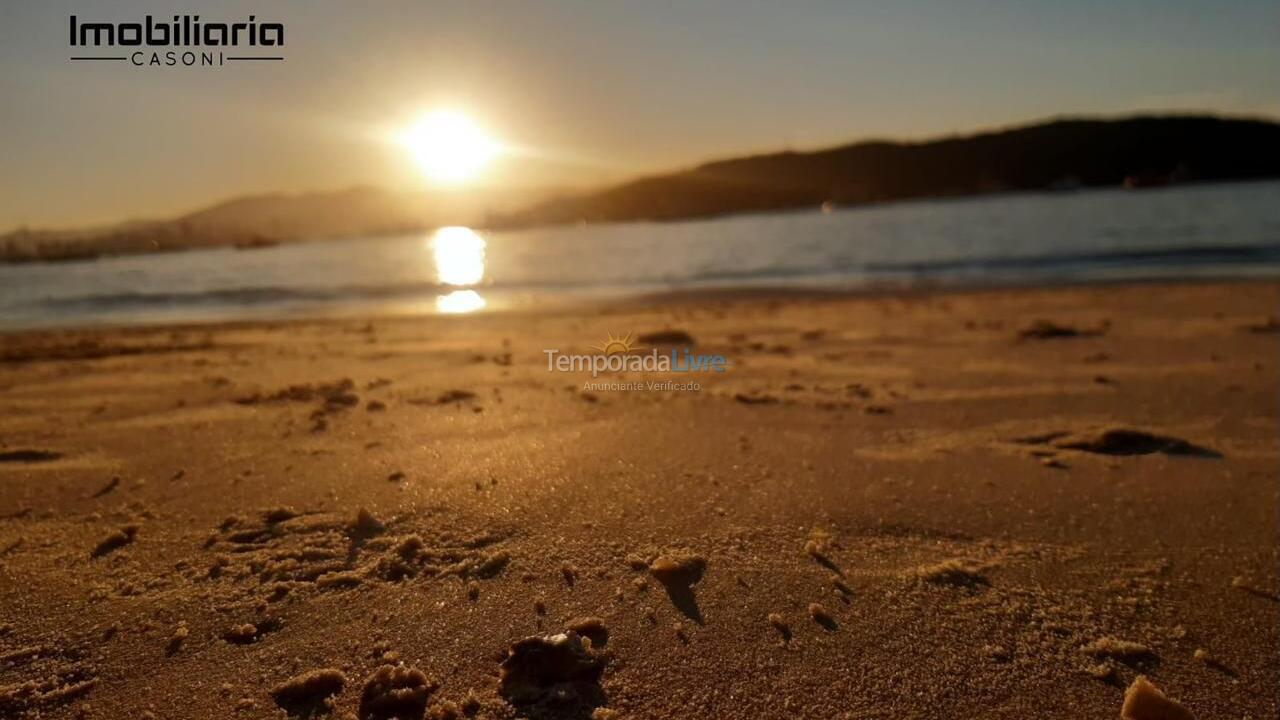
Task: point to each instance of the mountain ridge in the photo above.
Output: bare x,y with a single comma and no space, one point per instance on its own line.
1066,152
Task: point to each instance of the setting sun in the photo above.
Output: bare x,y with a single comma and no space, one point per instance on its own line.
448,146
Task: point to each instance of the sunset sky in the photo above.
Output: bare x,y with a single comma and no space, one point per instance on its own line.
581,92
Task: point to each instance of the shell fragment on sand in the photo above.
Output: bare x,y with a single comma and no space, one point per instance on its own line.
366,524
779,623
678,569
591,628
1143,701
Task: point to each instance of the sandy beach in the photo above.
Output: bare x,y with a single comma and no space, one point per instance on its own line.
986,504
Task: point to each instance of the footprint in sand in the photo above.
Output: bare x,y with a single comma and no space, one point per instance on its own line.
47,675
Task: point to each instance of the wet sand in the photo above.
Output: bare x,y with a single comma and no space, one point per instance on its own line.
934,505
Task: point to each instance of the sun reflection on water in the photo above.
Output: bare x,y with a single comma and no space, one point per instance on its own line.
459,301
459,258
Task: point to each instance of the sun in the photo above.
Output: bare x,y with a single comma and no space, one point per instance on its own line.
448,146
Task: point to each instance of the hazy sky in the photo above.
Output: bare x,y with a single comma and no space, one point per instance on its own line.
589,91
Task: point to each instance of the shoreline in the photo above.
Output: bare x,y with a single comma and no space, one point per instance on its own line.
568,302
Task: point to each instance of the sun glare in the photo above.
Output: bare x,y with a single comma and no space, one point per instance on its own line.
459,259
449,147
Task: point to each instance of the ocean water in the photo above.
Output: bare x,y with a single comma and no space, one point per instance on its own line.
1225,230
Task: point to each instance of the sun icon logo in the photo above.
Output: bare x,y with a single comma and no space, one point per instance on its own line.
616,345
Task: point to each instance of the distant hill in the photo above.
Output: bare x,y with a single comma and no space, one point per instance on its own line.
248,222
1060,154
262,220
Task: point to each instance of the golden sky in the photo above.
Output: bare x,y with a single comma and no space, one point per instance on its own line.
580,93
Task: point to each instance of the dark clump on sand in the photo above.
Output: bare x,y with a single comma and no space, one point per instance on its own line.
1048,330
545,672
276,515
1270,325
111,485
666,337
116,540
1128,441
337,392
395,692
754,399
309,692
29,456
455,396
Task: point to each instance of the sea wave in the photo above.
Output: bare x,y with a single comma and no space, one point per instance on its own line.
1198,256
242,296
